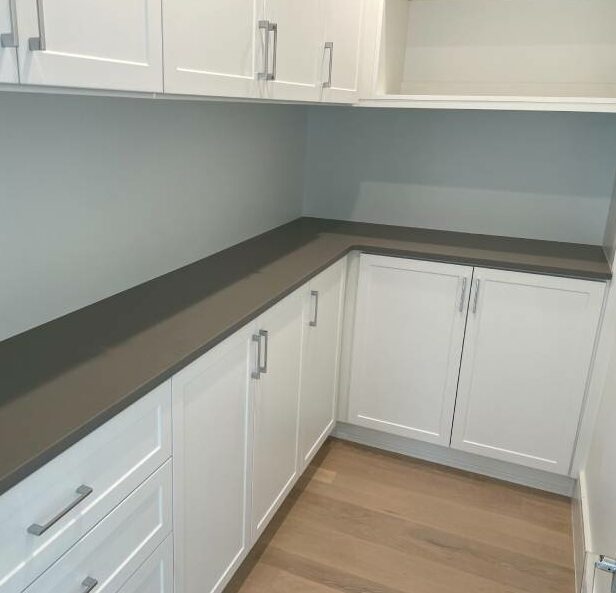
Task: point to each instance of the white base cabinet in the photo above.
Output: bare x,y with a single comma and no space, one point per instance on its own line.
155,575
408,335
527,355
320,359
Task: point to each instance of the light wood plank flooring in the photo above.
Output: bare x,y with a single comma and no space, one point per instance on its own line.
366,521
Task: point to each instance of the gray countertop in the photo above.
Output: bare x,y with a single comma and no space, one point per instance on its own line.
63,379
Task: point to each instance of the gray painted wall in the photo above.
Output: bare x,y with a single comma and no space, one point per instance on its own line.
537,175
100,194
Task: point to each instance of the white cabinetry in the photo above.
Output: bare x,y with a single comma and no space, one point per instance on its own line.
211,47
155,575
212,445
527,354
408,336
320,359
9,38
276,403
101,44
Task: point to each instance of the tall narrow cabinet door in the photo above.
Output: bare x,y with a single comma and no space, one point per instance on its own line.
294,49
343,21
211,445
104,44
9,32
320,359
527,354
407,346
210,47
276,409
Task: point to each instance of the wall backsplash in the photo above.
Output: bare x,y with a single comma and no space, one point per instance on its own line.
536,175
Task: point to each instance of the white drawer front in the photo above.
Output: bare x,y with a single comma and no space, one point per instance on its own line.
112,461
107,556
155,575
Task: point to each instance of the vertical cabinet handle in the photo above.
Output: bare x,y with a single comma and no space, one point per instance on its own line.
476,300
463,295
88,584
83,491
256,374
315,315
39,43
263,333
262,340
11,39
329,45
269,27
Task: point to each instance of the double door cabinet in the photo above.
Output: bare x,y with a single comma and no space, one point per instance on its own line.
486,361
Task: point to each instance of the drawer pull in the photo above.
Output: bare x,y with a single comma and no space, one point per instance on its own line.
83,491
88,583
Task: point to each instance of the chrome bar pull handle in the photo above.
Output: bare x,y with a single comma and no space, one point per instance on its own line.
268,27
256,374
476,301
329,45
263,333
88,584
39,43
315,317
274,28
11,39
83,491
463,295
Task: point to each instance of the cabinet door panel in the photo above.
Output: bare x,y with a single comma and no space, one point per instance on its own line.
155,575
320,359
407,345
527,355
105,44
211,443
342,29
8,55
210,46
276,410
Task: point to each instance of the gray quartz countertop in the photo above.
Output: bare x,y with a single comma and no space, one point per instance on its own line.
60,381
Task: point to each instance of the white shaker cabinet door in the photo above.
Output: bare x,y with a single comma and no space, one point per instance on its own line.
9,38
340,78
100,44
527,354
408,338
293,49
211,445
320,359
210,46
276,404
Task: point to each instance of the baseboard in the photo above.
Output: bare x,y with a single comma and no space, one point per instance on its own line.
493,468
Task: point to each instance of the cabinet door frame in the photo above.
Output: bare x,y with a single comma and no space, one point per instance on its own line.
562,462
9,71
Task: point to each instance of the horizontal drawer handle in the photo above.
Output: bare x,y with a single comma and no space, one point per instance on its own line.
83,491
88,583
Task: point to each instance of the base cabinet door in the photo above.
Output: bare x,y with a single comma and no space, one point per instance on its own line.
320,359
407,344
155,575
101,44
211,443
276,404
527,355
210,47
9,39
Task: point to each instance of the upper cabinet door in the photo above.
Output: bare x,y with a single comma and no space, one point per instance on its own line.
527,353
103,44
290,51
343,20
408,338
9,38
210,46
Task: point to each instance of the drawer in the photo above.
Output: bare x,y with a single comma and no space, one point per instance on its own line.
87,481
105,558
155,575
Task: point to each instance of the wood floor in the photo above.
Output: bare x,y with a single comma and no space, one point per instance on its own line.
366,521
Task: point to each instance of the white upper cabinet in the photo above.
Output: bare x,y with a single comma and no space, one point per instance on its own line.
527,354
341,50
290,50
408,336
276,404
211,445
9,40
320,359
101,44
210,46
